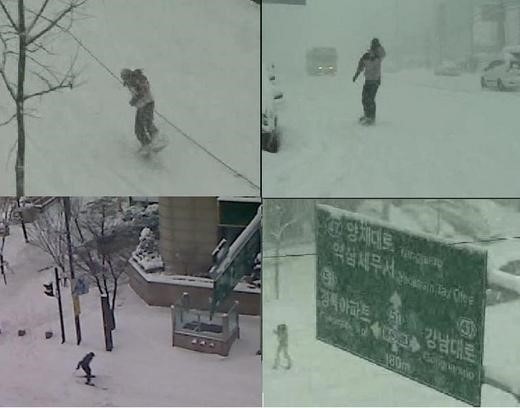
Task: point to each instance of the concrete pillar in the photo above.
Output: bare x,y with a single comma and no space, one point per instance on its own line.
188,233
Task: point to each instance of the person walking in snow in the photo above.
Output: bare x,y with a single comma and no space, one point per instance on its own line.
283,344
370,64
143,101
85,365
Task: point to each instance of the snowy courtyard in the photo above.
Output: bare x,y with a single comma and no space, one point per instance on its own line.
201,59
142,370
322,375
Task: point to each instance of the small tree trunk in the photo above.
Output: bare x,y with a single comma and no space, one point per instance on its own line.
277,271
113,306
20,157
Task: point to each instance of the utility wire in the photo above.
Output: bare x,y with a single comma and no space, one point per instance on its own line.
288,256
485,240
451,243
192,140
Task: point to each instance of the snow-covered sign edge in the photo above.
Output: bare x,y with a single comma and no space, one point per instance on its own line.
340,213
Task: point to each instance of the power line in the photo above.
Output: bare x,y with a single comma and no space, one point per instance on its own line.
288,256
485,240
192,140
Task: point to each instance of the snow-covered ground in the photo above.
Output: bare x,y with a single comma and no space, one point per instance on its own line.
435,136
201,58
142,370
323,375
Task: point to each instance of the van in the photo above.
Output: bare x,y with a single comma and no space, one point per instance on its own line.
322,61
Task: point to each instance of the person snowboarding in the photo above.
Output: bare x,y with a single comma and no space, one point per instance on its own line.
143,101
370,64
85,365
283,344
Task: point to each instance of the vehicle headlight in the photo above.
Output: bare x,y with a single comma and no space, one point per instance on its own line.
320,68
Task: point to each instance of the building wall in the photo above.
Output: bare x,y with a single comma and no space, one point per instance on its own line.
167,294
188,233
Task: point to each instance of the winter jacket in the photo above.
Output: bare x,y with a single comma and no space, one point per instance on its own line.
370,63
140,89
86,361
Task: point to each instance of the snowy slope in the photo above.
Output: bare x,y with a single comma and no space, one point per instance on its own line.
202,61
435,136
142,370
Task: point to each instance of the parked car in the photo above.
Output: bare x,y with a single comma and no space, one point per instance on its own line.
447,68
502,74
269,118
322,61
277,93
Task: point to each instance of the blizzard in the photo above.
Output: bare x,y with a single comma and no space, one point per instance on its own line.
201,58
322,375
434,137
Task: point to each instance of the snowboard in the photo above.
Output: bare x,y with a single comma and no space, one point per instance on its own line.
363,122
91,384
158,144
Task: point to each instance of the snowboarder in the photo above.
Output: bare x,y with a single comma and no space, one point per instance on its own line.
143,101
85,365
283,343
370,64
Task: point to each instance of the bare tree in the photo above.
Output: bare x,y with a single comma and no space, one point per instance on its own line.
7,205
26,36
103,243
47,232
279,216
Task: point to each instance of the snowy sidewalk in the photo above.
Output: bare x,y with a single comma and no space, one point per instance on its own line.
142,370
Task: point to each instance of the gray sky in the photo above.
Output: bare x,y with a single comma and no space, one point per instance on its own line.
348,25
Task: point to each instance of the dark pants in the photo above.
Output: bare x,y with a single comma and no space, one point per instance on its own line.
88,373
144,127
369,98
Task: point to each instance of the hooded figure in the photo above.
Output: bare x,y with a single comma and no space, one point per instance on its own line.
370,64
85,365
283,344
142,99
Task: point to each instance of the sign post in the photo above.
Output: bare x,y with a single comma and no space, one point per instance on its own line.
408,302
60,306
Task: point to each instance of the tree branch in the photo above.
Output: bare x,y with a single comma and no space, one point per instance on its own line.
3,75
6,12
8,120
53,22
38,15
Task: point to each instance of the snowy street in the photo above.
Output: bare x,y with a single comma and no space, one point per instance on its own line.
201,59
323,375
435,136
142,370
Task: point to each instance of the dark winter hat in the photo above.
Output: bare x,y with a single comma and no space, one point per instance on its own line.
375,43
126,73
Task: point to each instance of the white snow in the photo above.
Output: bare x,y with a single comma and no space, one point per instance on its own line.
323,375
201,58
180,280
142,370
435,136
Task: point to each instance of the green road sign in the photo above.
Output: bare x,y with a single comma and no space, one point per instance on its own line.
230,274
408,302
